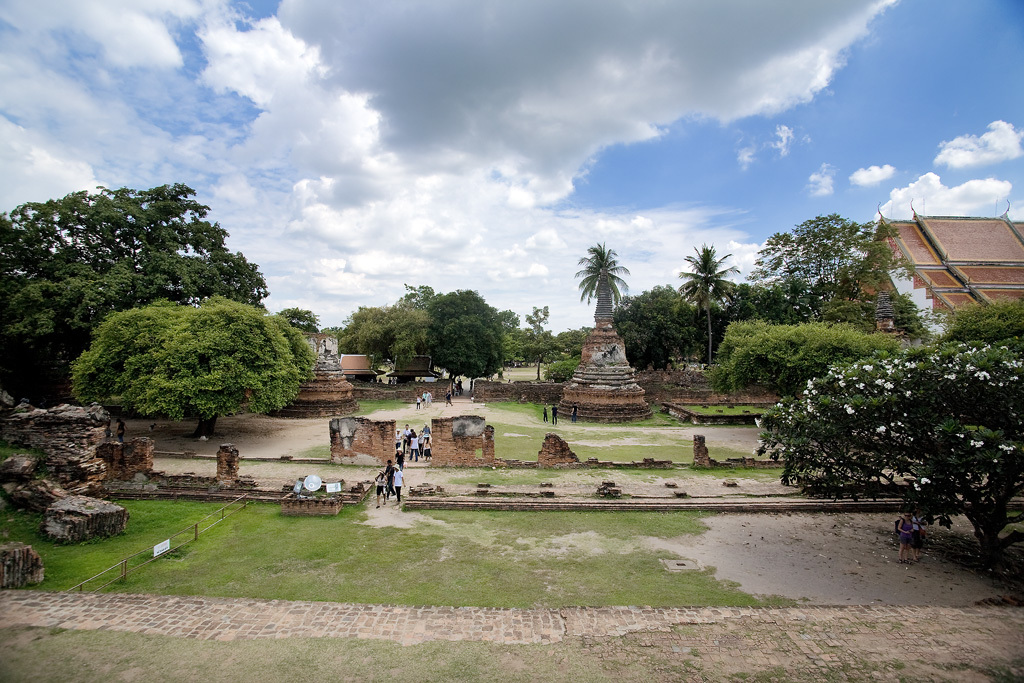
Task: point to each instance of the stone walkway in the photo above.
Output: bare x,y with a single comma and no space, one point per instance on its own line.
721,640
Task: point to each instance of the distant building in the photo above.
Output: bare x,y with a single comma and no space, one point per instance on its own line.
357,366
958,261
419,366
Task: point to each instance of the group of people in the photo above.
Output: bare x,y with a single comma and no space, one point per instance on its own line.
412,445
912,530
554,413
427,399
389,483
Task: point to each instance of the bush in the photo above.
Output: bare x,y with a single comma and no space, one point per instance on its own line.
998,324
783,357
561,371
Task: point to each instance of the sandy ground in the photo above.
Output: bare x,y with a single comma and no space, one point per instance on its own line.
820,558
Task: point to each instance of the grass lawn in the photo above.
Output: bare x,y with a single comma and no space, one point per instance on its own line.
489,559
723,410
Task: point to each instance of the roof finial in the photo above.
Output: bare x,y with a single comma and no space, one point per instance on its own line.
1006,214
912,210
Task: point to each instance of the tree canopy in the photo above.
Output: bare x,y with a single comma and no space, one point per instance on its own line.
657,327
301,319
948,419
601,269
185,361
387,333
998,323
784,357
465,334
65,264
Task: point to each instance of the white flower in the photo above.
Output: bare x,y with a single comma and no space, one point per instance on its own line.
880,429
849,409
916,487
1005,447
925,480
977,444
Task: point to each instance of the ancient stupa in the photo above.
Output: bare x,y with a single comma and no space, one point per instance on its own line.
328,393
604,387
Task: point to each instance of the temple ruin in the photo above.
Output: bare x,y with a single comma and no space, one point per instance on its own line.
328,393
604,387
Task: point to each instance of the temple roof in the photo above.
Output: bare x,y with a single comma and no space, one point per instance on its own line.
419,366
356,365
960,261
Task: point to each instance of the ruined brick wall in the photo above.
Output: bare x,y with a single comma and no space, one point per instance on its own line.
125,460
361,441
518,392
292,506
227,462
463,441
555,452
74,519
20,565
701,458
68,435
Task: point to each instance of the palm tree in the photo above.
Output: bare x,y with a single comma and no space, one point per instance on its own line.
601,277
706,284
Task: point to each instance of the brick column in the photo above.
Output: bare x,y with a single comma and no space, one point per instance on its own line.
227,462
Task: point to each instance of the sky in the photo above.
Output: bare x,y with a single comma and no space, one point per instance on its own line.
351,147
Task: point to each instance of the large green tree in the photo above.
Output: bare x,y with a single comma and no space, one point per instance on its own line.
65,264
705,284
538,343
465,334
186,361
657,327
387,333
601,270
836,257
301,319
947,419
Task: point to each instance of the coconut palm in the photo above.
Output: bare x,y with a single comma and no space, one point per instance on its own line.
601,271
705,282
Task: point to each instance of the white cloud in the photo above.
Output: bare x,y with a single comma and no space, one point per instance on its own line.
783,138
42,173
872,175
1000,143
820,182
746,156
931,198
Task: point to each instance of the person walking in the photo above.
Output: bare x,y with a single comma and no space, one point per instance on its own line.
400,459
418,401
905,529
554,415
121,429
917,535
575,409
426,448
382,486
414,446
398,478
545,413
389,487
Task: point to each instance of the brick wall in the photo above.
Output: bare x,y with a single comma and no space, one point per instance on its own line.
463,441
125,460
361,441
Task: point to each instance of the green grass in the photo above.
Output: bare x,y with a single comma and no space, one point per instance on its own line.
723,410
493,559
368,407
323,451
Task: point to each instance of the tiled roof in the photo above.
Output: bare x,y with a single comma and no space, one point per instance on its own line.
419,366
960,261
355,364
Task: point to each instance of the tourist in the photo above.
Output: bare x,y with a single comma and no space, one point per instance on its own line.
418,400
917,535
575,409
389,489
425,431
405,438
400,459
426,447
554,415
382,486
905,528
398,439
397,479
448,398
545,413
414,446
120,430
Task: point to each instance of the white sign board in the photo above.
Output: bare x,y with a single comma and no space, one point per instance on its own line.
161,548
334,488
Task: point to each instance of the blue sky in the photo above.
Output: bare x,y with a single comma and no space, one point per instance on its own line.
350,147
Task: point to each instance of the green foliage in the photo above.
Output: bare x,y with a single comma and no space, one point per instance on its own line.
836,257
386,333
301,319
787,302
1000,324
657,327
66,264
465,334
176,361
706,285
562,370
601,270
418,297
569,343
783,357
947,418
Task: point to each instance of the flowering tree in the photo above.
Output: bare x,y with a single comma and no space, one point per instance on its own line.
941,425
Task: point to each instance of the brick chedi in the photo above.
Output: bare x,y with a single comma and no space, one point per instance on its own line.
328,393
604,387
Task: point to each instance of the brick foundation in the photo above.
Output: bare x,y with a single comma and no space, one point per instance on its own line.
292,506
463,441
125,460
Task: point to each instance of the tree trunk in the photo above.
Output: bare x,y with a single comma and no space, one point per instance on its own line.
538,369
992,546
708,309
205,427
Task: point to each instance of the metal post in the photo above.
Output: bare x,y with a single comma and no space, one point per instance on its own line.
196,527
